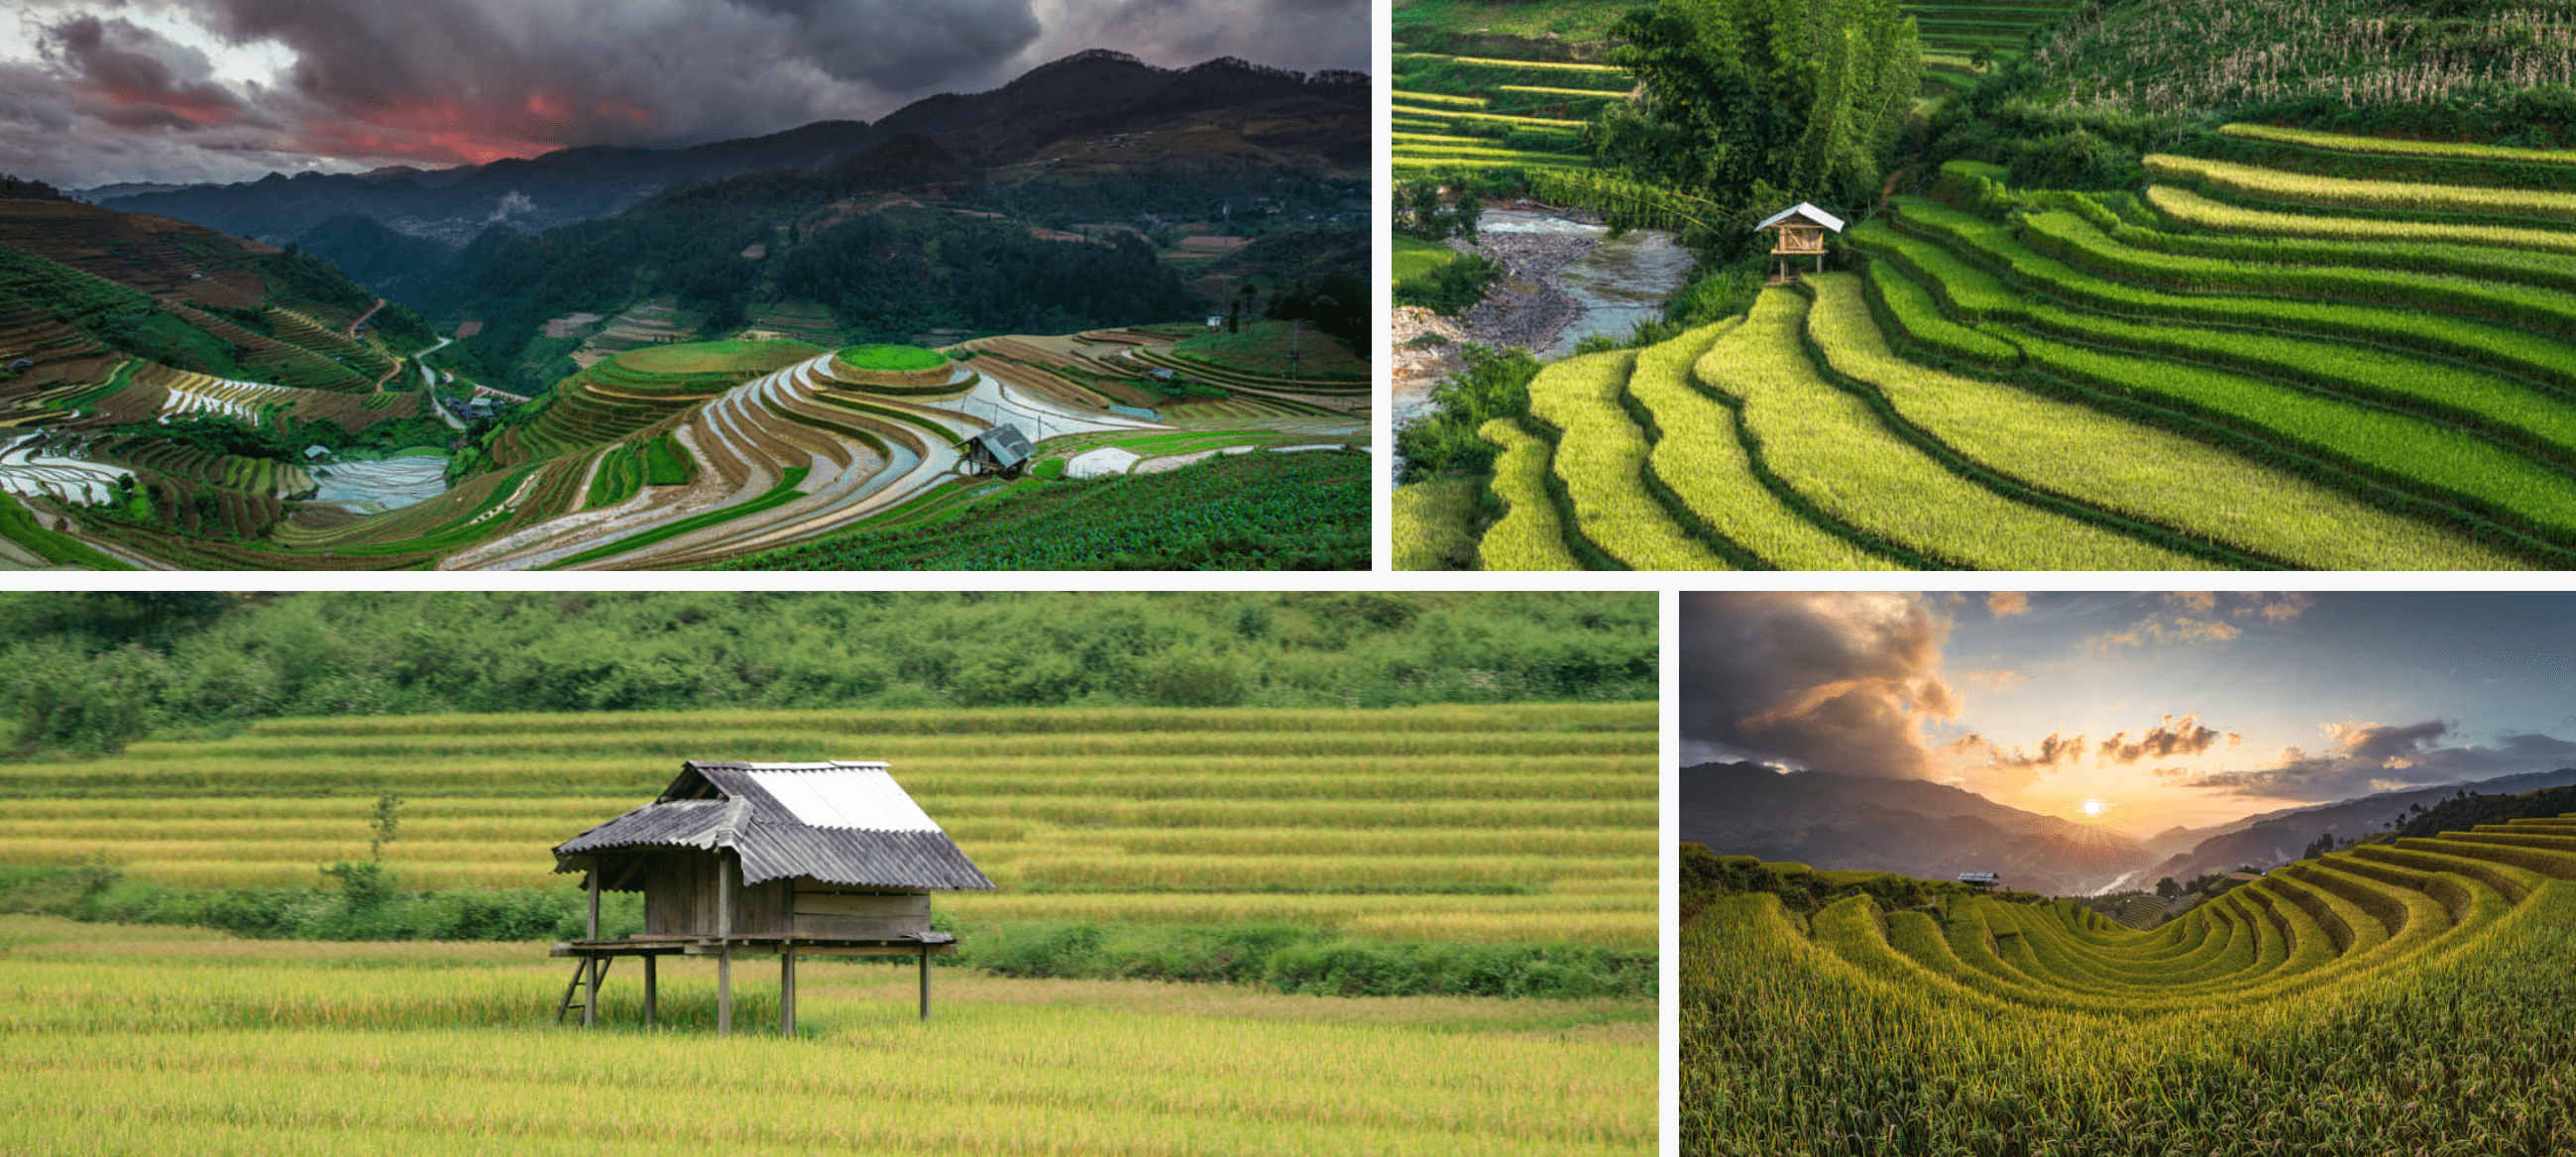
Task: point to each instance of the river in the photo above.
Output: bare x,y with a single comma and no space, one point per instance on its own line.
1616,283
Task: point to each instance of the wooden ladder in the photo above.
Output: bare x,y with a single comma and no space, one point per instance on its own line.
574,994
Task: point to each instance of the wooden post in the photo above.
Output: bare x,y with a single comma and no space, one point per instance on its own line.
786,990
925,982
649,994
594,900
724,956
590,1007
724,898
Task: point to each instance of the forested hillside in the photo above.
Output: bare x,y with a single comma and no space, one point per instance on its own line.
87,671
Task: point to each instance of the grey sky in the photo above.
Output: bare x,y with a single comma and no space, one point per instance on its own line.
95,91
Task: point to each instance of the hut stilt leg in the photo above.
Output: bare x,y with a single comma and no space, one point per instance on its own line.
786,991
724,991
925,982
590,1005
649,993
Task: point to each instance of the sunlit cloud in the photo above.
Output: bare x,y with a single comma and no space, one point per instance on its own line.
1844,682
2184,736
2360,754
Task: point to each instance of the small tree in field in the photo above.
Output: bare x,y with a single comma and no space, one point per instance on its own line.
383,824
2166,889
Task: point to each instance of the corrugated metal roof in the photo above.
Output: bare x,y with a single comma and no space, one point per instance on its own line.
845,823
1803,209
1007,445
862,797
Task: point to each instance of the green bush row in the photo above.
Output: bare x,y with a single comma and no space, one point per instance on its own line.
1298,960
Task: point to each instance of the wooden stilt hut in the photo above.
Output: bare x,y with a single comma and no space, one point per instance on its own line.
1802,231
765,857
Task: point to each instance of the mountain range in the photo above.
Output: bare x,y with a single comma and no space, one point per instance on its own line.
1918,828
2280,836
1319,118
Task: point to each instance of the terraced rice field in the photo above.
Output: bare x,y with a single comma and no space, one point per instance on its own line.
1455,113
2244,367
1953,33
2406,995
1520,824
29,466
690,454
254,475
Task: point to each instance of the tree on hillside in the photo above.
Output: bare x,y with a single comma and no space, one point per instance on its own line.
1759,104
2166,889
1419,213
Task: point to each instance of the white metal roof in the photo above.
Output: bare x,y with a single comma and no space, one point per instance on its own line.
843,795
1803,209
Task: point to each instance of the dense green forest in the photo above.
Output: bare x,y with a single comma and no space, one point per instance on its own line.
898,270
88,671
1747,107
905,277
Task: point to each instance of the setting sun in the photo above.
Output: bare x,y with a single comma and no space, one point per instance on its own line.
2092,807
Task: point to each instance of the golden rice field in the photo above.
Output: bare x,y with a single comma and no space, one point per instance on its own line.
2401,997
1518,824
157,1041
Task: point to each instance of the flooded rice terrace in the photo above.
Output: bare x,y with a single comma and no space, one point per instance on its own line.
375,487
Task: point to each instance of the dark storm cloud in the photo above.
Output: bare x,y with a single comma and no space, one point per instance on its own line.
902,47
132,78
439,82
1830,682
2368,757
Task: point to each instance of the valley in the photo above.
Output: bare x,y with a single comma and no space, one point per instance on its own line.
908,335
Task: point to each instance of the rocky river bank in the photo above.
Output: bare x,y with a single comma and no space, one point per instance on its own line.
1523,308
1561,278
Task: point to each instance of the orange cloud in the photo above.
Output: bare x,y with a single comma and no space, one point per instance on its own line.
2006,603
2184,736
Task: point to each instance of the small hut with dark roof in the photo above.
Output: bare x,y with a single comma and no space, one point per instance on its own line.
997,451
766,857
